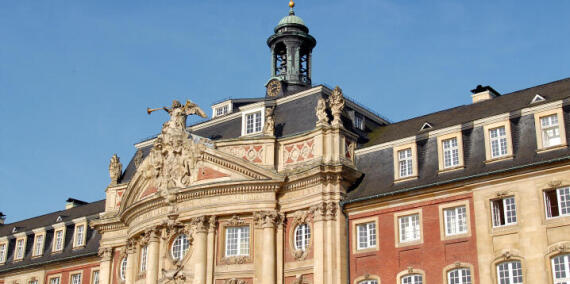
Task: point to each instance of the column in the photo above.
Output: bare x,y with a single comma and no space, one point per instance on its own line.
152,257
279,245
106,255
330,243
267,221
199,249
131,262
210,258
319,241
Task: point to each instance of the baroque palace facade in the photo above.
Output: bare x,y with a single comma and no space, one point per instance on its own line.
304,185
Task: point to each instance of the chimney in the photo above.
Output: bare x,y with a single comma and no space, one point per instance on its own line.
2,218
483,93
72,202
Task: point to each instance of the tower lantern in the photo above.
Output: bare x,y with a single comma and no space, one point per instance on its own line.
291,48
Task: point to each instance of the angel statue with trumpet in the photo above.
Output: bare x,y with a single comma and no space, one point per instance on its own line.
178,114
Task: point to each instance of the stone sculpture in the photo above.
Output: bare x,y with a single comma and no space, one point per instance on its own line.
115,169
336,103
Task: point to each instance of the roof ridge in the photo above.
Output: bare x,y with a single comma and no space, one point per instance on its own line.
46,214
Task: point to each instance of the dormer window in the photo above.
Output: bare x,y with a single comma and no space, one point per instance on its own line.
3,252
221,109
39,244
537,98
59,219
20,249
252,121
79,235
358,121
58,239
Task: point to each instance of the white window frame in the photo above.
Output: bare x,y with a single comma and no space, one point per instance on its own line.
244,117
509,205
501,141
242,238
302,236
455,220
39,240
55,280
144,255
411,279
565,265
409,225
179,247
79,236
450,149
510,278
548,123
221,109
123,269
33,282
562,202
366,235
95,277
368,282
75,278
58,241
462,272
358,120
3,252
20,251
405,163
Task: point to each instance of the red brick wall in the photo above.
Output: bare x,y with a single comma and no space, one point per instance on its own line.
431,256
65,272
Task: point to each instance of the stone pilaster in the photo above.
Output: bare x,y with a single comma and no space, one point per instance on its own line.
131,262
280,244
211,244
153,256
319,221
106,255
268,221
199,250
330,238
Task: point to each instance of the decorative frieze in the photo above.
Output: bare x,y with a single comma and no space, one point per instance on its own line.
230,260
252,153
299,152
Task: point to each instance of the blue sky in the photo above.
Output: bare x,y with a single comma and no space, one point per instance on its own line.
77,76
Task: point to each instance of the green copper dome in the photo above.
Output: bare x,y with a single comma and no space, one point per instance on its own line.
291,19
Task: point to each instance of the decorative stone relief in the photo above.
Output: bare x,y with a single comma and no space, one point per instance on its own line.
235,281
172,160
115,169
319,211
251,153
321,112
298,152
105,253
236,221
336,104
199,224
265,219
212,224
331,209
235,260
349,147
131,246
138,158
269,127
174,275
559,248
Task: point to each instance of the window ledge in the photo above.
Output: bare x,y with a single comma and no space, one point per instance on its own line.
451,169
366,250
499,159
365,253
78,247
551,148
505,230
403,179
557,221
456,237
409,244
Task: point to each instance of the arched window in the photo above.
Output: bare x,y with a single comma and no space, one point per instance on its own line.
302,236
179,247
509,272
412,279
459,276
123,268
561,269
368,282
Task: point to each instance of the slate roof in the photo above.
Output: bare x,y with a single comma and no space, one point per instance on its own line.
46,221
378,167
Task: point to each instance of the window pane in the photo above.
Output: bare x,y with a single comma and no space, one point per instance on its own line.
459,276
560,269
564,200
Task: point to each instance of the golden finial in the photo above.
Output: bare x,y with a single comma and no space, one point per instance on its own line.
291,4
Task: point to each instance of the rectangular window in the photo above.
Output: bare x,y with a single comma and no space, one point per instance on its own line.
76,278
498,141
79,235
409,228
253,122
33,282
450,152
504,211
95,278
561,269
405,162
557,202
550,131
39,245
358,121
144,253
455,220
19,249
3,253
237,241
58,244
54,280
366,235
509,272
222,110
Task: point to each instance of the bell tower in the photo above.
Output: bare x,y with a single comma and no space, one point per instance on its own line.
291,48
